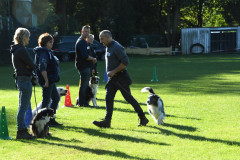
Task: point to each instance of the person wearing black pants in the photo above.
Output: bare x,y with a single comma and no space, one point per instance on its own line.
83,63
119,79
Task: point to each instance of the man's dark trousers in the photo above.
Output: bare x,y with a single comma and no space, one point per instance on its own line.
111,89
85,76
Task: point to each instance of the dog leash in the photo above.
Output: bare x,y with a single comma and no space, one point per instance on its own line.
35,97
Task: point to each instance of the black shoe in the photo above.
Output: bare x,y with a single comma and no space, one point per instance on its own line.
53,123
143,121
103,124
23,134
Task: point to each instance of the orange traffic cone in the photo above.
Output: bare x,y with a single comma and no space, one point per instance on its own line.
68,102
67,87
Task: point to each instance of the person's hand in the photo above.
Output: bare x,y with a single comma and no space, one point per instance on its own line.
46,84
93,71
110,74
94,60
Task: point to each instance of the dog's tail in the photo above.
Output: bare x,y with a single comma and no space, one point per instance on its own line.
148,89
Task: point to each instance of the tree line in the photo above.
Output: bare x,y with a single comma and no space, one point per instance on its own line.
126,18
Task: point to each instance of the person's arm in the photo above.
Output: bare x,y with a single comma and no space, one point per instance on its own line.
90,58
116,70
82,47
27,60
44,74
123,58
43,61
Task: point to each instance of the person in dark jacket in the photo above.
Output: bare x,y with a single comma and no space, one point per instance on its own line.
48,73
83,63
23,67
92,53
119,79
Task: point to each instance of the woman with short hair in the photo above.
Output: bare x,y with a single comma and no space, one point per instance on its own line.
48,73
23,67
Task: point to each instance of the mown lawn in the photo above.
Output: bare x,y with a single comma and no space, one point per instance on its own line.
202,103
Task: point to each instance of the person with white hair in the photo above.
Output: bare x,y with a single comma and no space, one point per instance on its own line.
23,67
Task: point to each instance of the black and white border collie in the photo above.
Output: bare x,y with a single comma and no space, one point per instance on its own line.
61,92
92,90
39,126
155,106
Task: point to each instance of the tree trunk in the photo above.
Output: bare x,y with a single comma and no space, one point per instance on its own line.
200,16
176,15
60,10
169,24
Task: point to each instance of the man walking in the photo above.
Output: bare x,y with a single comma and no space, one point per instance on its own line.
119,79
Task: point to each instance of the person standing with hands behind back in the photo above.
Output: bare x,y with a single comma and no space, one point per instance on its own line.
119,79
83,63
48,73
92,53
23,67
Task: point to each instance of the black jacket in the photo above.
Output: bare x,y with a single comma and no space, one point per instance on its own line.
21,60
81,61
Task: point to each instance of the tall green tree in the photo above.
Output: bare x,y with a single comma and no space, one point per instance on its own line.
230,11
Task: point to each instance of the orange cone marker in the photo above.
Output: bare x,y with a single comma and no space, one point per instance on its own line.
68,102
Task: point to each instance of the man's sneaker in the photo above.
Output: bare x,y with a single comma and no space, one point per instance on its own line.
103,124
53,123
143,121
23,134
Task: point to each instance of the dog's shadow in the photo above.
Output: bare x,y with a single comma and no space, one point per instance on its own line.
181,127
194,137
173,116
62,140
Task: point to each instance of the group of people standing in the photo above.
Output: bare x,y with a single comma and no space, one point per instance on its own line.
46,66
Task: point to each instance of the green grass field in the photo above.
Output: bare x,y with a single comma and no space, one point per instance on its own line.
202,102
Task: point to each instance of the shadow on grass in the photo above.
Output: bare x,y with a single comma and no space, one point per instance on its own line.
132,111
117,137
85,149
169,115
121,101
181,127
120,109
196,138
63,140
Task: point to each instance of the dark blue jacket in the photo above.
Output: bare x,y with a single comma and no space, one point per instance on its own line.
82,55
45,61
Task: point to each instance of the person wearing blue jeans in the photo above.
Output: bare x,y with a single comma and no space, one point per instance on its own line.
23,67
25,94
50,93
48,73
83,63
